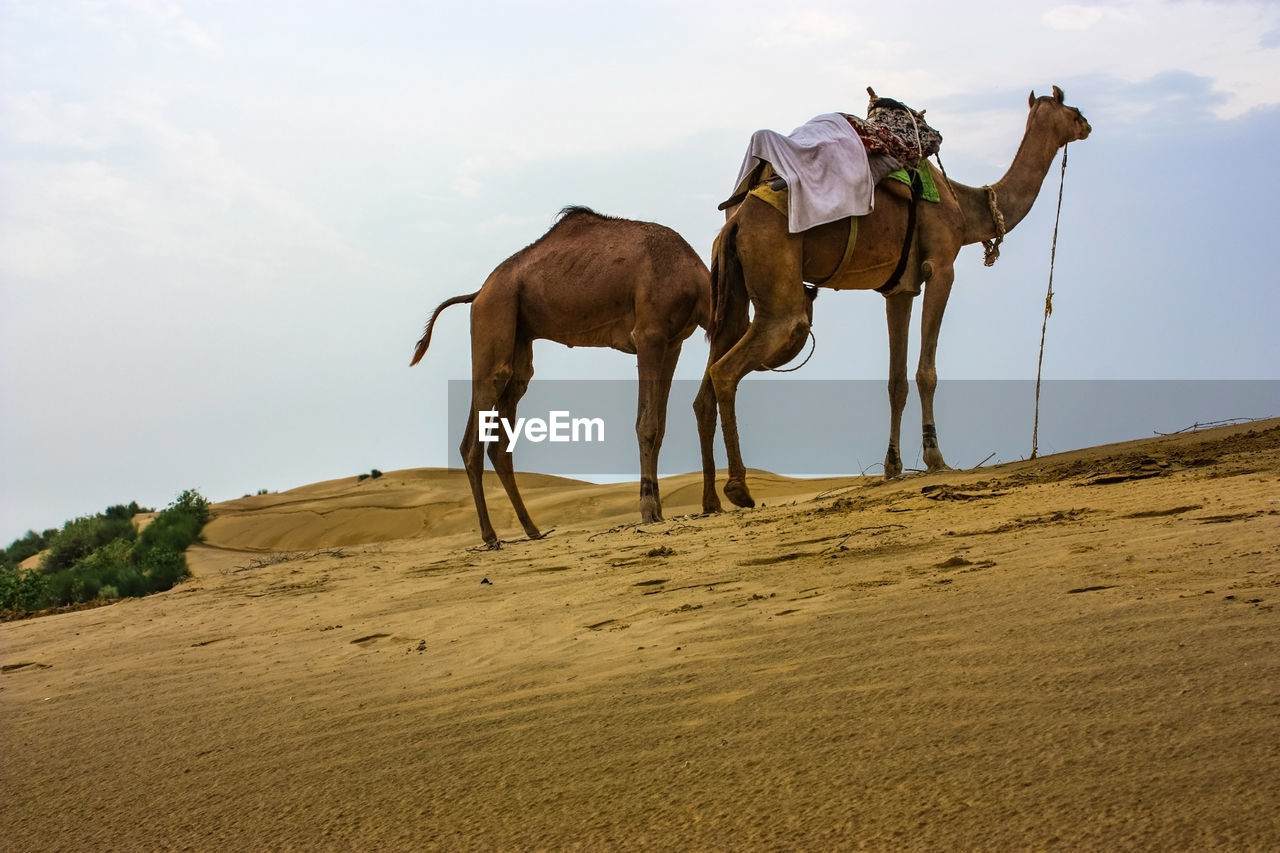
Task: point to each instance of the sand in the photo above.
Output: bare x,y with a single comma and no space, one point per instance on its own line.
1080,652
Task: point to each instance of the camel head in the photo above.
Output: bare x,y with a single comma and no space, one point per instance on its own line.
1068,123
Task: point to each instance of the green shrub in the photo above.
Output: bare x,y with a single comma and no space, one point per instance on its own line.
83,588
100,569
82,536
162,568
21,590
125,511
130,583
29,545
103,556
159,552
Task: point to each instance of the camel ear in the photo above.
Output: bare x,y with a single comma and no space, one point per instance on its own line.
1057,94
1031,101
871,92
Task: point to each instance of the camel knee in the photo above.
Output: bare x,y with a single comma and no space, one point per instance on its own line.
704,404
724,385
927,380
800,331
494,380
649,433
471,452
791,345
898,387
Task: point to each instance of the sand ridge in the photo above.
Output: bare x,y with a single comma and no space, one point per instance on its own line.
1078,651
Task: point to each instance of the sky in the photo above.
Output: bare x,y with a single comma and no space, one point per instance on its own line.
223,224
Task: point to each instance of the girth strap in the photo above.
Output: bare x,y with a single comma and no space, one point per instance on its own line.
917,189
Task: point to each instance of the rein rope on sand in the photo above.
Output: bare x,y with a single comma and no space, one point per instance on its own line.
1048,304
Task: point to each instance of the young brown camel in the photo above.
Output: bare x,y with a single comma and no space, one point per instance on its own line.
755,258
591,281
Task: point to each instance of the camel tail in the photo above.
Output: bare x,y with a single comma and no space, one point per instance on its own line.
726,274
426,334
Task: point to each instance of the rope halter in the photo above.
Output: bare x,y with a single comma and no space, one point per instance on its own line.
991,248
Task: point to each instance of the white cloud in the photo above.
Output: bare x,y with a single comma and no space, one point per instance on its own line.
803,28
39,254
165,17
1140,39
507,222
124,181
1074,17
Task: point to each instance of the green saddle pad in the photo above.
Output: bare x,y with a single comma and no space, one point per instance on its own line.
930,189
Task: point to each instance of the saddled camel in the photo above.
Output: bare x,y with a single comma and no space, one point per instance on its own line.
756,260
591,281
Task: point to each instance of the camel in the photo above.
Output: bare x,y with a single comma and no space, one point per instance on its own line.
590,281
756,259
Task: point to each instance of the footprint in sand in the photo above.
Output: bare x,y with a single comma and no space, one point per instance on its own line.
362,641
14,667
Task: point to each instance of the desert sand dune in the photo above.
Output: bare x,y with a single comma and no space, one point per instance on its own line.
1081,652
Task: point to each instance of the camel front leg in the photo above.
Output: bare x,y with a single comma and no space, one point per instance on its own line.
655,363
935,303
898,314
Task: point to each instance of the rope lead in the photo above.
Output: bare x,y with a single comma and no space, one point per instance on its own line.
1048,304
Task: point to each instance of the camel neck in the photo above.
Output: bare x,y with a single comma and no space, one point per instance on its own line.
1016,191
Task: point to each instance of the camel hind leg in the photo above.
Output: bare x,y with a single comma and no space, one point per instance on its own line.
473,460
731,329
501,368
765,265
499,451
769,341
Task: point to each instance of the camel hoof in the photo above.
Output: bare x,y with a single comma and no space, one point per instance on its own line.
934,462
892,464
711,507
736,491
493,544
650,511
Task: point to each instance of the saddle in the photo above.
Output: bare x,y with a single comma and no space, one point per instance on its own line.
891,128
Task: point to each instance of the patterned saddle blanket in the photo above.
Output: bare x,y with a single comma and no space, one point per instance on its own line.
891,127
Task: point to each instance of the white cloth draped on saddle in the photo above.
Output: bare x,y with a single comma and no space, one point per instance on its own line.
825,166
